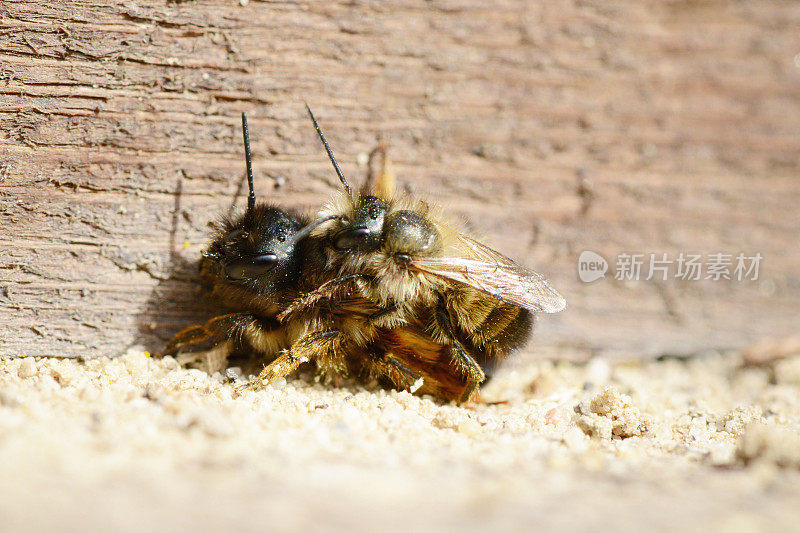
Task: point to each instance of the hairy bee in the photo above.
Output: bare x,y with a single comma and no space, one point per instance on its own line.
252,267
398,252
258,265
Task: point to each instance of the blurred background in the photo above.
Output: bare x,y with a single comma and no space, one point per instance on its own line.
548,128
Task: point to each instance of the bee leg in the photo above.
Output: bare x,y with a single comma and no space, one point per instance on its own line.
468,390
326,291
210,344
306,348
410,374
474,374
389,367
217,330
391,308
329,287
186,337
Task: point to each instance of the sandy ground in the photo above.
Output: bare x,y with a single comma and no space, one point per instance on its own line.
136,443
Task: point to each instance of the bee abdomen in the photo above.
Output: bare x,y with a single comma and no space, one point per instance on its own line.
503,330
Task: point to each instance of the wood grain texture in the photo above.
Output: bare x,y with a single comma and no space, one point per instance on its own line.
119,141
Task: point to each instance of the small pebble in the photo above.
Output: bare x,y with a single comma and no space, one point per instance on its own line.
575,440
598,371
417,384
469,427
65,373
27,368
444,420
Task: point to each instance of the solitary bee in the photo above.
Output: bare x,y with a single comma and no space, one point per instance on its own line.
253,267
398,252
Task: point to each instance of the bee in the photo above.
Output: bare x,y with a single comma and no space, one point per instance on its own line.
257,265
252,267
401,254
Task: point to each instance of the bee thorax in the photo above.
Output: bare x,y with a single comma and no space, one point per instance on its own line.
409,233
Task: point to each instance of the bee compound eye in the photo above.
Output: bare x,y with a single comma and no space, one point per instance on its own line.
352,238
251,268
265,260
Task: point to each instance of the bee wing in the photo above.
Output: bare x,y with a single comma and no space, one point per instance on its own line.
493,273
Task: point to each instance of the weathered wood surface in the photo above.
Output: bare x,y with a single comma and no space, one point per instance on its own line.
119,141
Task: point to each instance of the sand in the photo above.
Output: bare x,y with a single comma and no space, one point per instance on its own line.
132,443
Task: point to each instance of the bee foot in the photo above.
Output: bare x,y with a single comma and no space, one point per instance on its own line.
254,385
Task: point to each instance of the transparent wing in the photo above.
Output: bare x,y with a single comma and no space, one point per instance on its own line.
491,272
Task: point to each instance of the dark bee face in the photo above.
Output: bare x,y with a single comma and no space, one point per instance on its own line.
400,233
257,250
365,232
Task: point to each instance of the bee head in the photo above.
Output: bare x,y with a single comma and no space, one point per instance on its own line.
374,226
403,233
257,248
364,232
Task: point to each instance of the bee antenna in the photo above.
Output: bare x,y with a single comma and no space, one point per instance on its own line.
303,233
330,153
251,199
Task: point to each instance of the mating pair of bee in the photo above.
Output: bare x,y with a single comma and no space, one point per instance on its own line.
378,285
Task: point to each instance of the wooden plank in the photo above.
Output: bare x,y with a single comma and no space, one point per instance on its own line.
119,141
